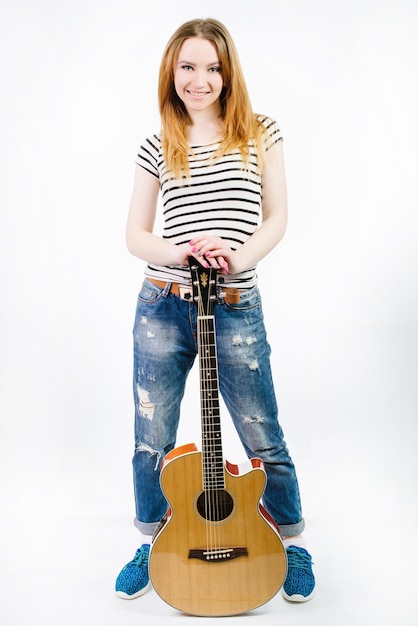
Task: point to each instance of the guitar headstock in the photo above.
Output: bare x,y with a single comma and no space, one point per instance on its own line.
204,286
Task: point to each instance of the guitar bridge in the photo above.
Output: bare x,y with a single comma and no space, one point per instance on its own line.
218,555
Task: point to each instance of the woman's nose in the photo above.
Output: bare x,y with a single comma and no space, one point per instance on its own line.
198,79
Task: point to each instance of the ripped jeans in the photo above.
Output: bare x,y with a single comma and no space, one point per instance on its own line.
165,347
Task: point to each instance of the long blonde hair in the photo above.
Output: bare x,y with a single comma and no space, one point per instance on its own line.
240,123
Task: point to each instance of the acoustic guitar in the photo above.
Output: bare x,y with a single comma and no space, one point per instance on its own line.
218,552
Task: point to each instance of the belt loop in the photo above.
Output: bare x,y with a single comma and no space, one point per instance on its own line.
166,290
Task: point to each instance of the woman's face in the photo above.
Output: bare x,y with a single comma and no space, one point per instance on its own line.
198,76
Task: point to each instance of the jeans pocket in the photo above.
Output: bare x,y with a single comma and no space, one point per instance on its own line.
149,292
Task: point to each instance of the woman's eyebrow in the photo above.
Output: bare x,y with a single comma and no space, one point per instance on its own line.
184,62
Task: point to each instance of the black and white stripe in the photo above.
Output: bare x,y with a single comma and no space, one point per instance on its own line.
221,197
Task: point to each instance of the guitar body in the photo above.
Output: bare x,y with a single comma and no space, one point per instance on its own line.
226,565
217,553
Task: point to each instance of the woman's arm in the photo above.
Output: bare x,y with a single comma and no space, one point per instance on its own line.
140,240
271,230
274,213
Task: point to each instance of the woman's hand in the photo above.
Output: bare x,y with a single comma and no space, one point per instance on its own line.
210,251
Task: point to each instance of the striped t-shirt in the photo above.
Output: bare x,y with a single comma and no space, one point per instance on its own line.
222,197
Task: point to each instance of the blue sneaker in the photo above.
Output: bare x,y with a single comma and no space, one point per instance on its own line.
299,585
134,580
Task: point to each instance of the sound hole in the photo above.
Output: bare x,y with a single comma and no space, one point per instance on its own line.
215,506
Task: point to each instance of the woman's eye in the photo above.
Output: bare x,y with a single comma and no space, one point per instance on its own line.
186,67
215,69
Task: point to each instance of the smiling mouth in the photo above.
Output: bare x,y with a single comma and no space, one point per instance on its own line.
197,94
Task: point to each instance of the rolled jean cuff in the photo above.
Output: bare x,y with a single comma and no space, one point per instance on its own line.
290,530
146,528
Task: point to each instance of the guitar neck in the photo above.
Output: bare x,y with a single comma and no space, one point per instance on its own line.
212,454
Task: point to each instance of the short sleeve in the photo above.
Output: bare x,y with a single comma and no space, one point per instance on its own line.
148,155
273,133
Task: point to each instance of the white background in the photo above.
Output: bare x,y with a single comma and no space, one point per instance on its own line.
78,96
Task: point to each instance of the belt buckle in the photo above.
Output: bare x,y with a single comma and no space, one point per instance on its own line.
185,292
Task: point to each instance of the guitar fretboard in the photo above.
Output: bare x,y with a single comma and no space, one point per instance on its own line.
212,454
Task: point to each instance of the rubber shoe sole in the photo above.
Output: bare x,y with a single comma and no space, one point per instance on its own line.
297,597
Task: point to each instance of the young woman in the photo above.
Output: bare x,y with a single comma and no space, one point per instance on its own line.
219,169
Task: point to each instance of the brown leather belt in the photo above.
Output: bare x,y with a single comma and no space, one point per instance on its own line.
231,295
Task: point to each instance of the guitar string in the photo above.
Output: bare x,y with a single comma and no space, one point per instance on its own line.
210,458
218,464
203,395
214,468
214,502
204,426
219,478
222,506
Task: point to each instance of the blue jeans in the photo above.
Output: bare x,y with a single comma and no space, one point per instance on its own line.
165,347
